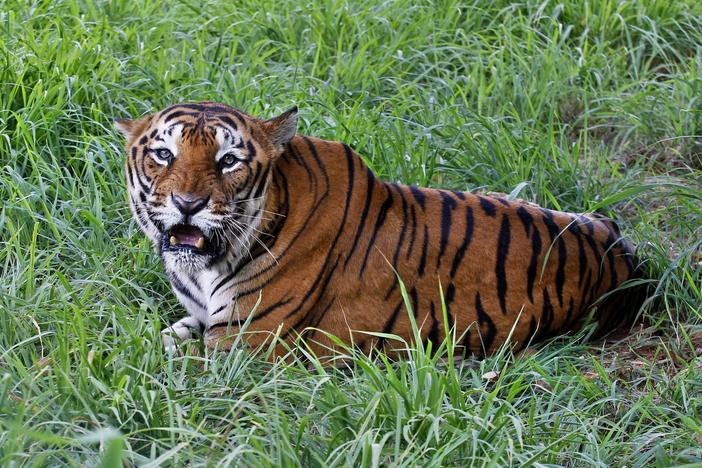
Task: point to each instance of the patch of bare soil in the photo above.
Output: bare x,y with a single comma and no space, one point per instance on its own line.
643,351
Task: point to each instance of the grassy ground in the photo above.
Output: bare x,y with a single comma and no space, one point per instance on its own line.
578,105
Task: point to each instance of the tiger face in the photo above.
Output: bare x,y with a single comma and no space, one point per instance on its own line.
197,178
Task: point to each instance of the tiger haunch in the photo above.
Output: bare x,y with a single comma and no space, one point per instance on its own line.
247,216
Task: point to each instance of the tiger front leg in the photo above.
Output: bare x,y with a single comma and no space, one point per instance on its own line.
181,330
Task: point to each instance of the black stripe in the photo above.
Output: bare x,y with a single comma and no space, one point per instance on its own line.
257,173
418,195
609,246
390,323
448,300
210,108
465,342
423,258
467,236
143,170
459,195
370,184
194,282
228,120
413,235
320,164
586,292
487,206
582,257
178,113
130,180
181,288
142,216
588,223
447,206
218,309
546,314
404,226
528,222
382,214
526,219
415,300
289,152
143,140
311,178
398,247
554,232
251,150
144,185
225,280
252,183
503,242
488,332
433,335
533,262
598,261
262,183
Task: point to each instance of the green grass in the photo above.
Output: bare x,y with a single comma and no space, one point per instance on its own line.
579,105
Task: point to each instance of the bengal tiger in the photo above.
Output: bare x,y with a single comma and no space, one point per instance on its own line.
295,236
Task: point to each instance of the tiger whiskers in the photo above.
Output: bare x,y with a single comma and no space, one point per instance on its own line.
253,200
233,223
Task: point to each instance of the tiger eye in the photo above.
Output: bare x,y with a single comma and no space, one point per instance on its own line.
228,159
164,154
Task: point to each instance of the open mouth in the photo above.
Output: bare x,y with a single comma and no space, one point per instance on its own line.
186,237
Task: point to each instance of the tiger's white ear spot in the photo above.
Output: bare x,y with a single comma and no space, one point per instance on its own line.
282,129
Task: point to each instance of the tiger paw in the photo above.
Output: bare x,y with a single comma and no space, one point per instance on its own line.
170,344
179,331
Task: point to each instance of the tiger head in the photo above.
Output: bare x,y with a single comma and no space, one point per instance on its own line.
197,177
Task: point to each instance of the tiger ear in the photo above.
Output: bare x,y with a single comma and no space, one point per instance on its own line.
131,128
281,129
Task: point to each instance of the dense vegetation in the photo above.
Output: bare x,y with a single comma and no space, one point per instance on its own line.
579,105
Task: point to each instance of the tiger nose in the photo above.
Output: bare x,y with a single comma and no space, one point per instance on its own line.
189,204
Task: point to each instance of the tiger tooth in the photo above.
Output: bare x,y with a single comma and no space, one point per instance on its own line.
200,244
173,240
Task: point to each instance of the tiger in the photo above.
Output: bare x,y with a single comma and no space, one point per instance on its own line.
266,234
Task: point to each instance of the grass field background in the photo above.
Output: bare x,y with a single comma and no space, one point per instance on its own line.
577,105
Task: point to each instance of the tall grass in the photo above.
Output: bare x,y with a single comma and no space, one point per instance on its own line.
579,105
